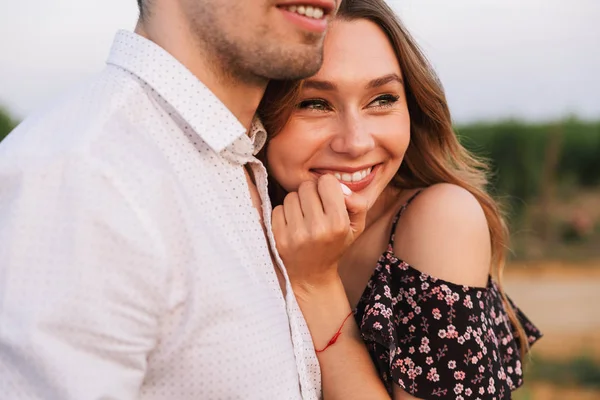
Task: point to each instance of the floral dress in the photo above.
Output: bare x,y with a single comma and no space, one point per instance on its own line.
436,339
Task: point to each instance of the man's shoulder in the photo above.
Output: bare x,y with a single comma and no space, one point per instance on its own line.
94,113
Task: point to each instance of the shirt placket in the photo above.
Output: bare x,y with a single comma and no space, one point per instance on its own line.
309,387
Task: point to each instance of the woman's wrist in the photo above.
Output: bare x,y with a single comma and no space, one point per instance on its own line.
324,307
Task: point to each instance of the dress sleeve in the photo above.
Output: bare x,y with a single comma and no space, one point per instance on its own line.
439,340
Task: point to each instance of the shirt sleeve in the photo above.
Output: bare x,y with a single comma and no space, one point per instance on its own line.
80,282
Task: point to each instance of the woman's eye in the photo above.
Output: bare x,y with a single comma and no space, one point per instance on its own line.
386,100
314,104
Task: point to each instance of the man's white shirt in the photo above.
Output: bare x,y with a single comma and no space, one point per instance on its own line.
133,264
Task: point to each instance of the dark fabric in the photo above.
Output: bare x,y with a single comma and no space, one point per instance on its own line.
437,339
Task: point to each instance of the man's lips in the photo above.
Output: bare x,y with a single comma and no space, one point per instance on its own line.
311,15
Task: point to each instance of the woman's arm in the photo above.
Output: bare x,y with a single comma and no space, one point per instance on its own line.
313,228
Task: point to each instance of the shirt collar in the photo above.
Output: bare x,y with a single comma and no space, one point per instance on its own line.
194,102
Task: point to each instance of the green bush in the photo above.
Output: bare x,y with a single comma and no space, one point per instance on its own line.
517,151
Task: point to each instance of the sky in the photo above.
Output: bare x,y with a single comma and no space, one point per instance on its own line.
536,60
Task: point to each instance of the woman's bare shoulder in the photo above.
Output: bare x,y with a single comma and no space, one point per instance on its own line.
444,233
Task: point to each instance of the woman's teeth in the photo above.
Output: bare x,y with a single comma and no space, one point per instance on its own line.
307,11
354,177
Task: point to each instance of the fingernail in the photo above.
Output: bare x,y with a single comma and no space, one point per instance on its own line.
346,190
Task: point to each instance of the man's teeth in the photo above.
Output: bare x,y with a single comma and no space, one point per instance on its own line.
354,177
307,11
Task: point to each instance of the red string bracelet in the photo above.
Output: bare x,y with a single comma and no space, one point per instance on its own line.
336,336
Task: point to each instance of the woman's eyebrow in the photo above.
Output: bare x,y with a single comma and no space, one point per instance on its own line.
377,82
330,86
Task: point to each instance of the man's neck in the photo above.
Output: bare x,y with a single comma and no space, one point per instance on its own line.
178,39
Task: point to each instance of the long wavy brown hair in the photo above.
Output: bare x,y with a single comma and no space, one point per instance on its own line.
434,154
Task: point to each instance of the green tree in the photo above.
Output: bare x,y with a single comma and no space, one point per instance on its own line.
7,123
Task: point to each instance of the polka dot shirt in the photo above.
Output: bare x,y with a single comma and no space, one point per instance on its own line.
133,264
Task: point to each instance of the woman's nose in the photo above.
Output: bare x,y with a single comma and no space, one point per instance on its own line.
353,138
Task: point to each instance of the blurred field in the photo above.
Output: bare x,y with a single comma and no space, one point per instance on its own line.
563,299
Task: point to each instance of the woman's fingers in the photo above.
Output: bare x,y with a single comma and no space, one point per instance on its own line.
311,204
292,210
356,206
332,197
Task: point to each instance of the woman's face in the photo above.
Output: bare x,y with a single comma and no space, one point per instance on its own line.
352,119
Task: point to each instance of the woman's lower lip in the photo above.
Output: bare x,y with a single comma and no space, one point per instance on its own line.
363,183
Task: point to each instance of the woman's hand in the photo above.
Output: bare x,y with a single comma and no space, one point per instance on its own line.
313,228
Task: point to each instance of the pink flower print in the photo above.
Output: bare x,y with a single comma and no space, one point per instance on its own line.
481,369
442,333
387,292
459,375
419,370
509,350
518,368
412,328
491,387
377,326
436,313
386,312
377,297
411,350
412,291
480,304
468,391
411,315
501,375
449,299
424,286
455,296
412,374
479,355
458,388
461,340
433,375
459,397
481,390
429,360
467,335
478,295
424,348
484,350
452,333
509,381
405,320
509,369
417,310
451,364
467,302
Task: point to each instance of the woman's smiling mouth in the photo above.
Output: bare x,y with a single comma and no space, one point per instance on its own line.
355,179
